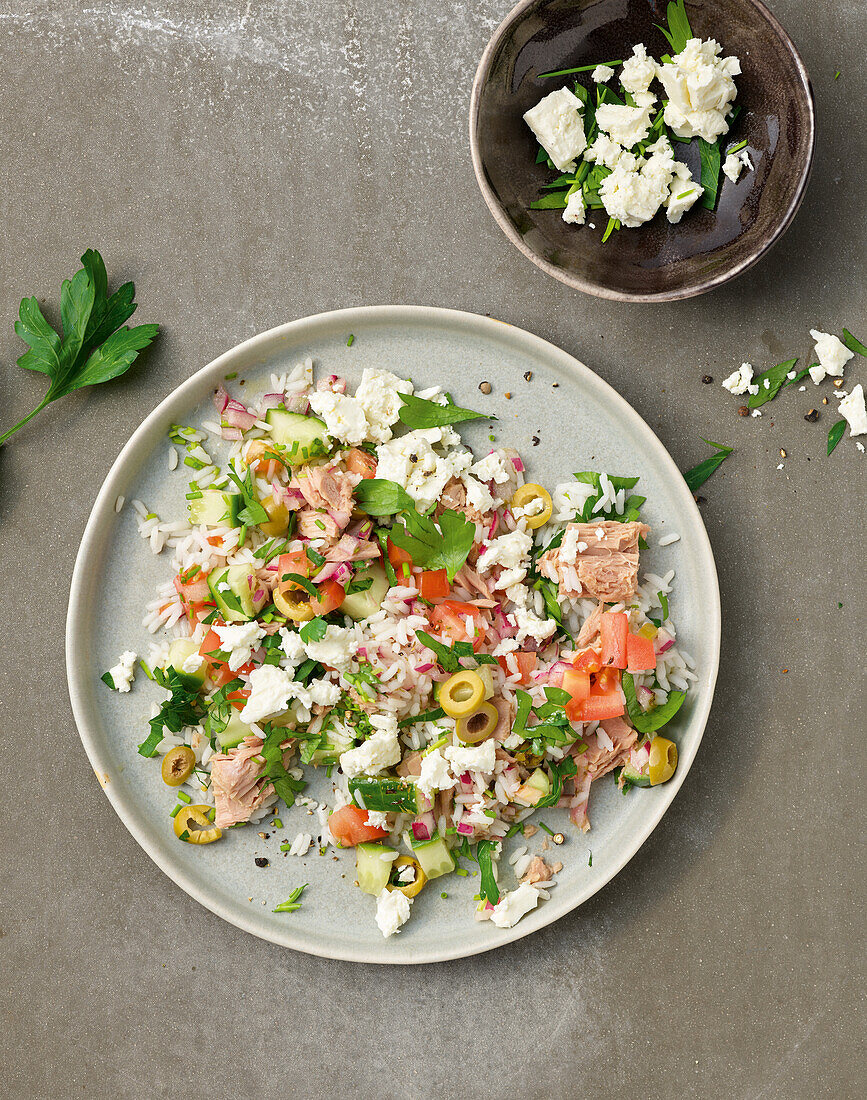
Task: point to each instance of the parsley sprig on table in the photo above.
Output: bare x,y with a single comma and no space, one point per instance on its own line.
92,347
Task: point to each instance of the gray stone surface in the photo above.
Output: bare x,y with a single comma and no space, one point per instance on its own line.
247,163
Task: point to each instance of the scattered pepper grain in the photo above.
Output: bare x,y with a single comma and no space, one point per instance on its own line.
485,387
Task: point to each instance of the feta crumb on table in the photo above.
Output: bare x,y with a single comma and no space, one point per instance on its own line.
832,354
853,409
738,381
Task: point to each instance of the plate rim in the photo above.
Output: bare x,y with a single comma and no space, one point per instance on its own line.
104,509
587,286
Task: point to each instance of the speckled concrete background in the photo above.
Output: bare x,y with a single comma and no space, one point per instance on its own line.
252,162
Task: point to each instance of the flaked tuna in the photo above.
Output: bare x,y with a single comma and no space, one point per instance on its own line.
235,782
598,760
596,559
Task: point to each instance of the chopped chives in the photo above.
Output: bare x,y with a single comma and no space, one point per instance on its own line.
579,69
350,341
145,667
285,847
443,894
462,871
184,797
683,194
212,813
737,148
277,823
542,825
175,811
229,377
194,463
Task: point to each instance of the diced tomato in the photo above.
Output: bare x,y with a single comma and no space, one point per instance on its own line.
613,629
238,699
598,706
450,618
640,654
216,669
296,562
348,827
526,665
398,559
222,675
433,584
578,685
605,681
588,661
330,597
263,458
194,593
360,462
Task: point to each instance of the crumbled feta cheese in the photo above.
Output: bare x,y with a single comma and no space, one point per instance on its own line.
625,125
494,467
478,758
323,692
412,462
239,640
271,688
507,645
572,546
860,447
602,73
533,507
853,409
123,673
756,412
832,354
478,495
574,212
514,905
531,626
512,552
700,90
738,381
519,594
380,750
378,394
638,72
636,188
377,819
558,125
193,663
392,910
336,648
292,646
683,193
735,163
604,151
435,775
344,416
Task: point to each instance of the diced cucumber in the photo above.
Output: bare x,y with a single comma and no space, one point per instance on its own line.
216,509
235,731
299,438
540,781
385,795
434,857
373,867
361,605
179,650
638,778
234,589
330,749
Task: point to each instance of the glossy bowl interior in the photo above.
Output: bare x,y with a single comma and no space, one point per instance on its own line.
656,261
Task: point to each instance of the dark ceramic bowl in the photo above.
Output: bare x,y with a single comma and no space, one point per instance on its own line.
657,261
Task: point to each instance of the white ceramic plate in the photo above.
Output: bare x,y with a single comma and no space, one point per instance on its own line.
581,424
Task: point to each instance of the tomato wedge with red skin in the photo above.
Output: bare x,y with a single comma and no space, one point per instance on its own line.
296,562
433,584
238,699
597,707
330,597
360,462
577,683
398,557
526,665
347,826
450,618
640,654
613,629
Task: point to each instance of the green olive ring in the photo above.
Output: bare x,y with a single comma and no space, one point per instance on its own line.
478,726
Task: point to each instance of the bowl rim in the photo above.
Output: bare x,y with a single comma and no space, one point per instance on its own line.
587,286
249,354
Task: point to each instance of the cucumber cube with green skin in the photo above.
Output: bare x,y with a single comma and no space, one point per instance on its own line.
215,509
373,867
179,650
540,781
634,776
330,749
234,733
234,590
298,438
361,605
434,857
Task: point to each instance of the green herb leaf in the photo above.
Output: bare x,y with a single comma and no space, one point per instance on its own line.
314,630
698,475
430,547
184,708
613,224
836,434
293,902
711,165
418,413
522,712
379,497
556,200
564,770
663,603
448,657
425,716
253,513
385,795
284,784
489,888
647,722
853,343
296,578
679,31
93,347
108,679
776,379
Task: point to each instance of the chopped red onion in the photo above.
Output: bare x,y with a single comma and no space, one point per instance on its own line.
236,416
271,401
518,464
425,668
665,646
467,778
420,831
231,434
221,398
259,594
340,518
326,572
493,526
465,829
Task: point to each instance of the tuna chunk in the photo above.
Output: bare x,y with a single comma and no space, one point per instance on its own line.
538,871
592,624
598,761
352,549
317,525
596,559
235,777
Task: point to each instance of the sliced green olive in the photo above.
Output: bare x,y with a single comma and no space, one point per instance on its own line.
178,765
193,825
410,889
462,694
293,602
475,727
663,760
526,495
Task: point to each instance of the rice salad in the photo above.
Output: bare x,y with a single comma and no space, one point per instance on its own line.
457,647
